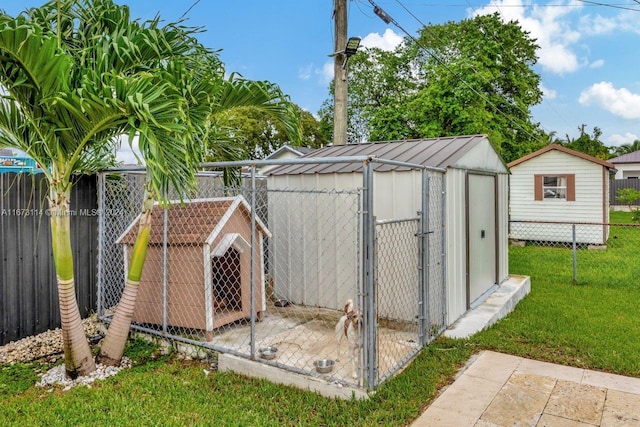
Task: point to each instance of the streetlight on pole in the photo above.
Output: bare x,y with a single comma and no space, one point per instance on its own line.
340,89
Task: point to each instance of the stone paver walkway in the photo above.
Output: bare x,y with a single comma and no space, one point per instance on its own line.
503,390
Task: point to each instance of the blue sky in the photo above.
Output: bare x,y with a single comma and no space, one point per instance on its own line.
589,58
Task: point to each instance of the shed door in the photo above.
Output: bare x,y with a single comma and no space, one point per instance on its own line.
481,251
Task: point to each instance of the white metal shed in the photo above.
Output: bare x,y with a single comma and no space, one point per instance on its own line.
558,185
475,216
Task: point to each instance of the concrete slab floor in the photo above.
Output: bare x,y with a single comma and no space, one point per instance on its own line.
502,390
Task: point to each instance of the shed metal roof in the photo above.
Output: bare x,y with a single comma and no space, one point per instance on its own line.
435,152
627,158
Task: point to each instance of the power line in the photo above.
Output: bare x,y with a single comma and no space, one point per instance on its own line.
189,9
504,6
595,3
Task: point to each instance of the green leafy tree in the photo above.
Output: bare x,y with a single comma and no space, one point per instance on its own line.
222,98
630,197
589,144
467,77
256,134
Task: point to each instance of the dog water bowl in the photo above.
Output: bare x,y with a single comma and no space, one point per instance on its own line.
268,352
281,302
324,366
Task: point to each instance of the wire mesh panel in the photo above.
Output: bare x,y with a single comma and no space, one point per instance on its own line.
435,232
397,293
313,273
570,248
120,202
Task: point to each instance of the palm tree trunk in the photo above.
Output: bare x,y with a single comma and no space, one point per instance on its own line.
113,345
77,354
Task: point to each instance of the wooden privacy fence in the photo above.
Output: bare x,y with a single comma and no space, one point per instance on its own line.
28,292
617,184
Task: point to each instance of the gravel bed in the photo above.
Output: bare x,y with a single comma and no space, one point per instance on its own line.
58,376
46,346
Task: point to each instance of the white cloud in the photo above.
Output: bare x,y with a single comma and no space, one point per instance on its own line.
326,73
597,63
548,93
598,24
388,41
620,102
548,25
304,73
625,21
617,139
126,152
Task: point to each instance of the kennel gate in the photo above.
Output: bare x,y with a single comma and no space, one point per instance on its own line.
409,280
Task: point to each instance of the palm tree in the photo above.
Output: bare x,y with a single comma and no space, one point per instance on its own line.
74,75
227,95
628,148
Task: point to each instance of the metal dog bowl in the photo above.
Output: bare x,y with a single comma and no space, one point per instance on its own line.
324,366
268,352
281,302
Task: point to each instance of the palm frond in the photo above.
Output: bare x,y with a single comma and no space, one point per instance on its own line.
266,96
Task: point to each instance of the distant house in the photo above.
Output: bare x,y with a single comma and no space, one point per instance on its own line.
627,165
284,152
556,184
9,162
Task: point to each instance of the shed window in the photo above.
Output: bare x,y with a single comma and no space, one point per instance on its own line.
555,187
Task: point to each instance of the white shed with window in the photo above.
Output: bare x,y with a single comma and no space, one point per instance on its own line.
559,185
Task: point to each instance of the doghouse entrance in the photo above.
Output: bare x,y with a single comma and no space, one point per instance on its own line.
226,281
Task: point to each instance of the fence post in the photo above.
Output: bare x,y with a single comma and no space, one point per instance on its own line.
575,258
370,321
165,275
443,254
101,243
423,231
253,262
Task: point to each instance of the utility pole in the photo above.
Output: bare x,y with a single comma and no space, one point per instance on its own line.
340,73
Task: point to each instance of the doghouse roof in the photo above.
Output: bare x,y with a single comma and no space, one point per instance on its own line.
194,222
440,152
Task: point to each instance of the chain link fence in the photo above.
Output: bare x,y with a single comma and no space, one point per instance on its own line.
264,271
582,253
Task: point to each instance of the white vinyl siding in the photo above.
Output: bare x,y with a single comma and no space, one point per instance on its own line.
627,170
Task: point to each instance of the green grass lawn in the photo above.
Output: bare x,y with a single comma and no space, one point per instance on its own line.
593,324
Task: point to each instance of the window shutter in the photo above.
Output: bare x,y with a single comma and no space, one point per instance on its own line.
537,187
571,188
